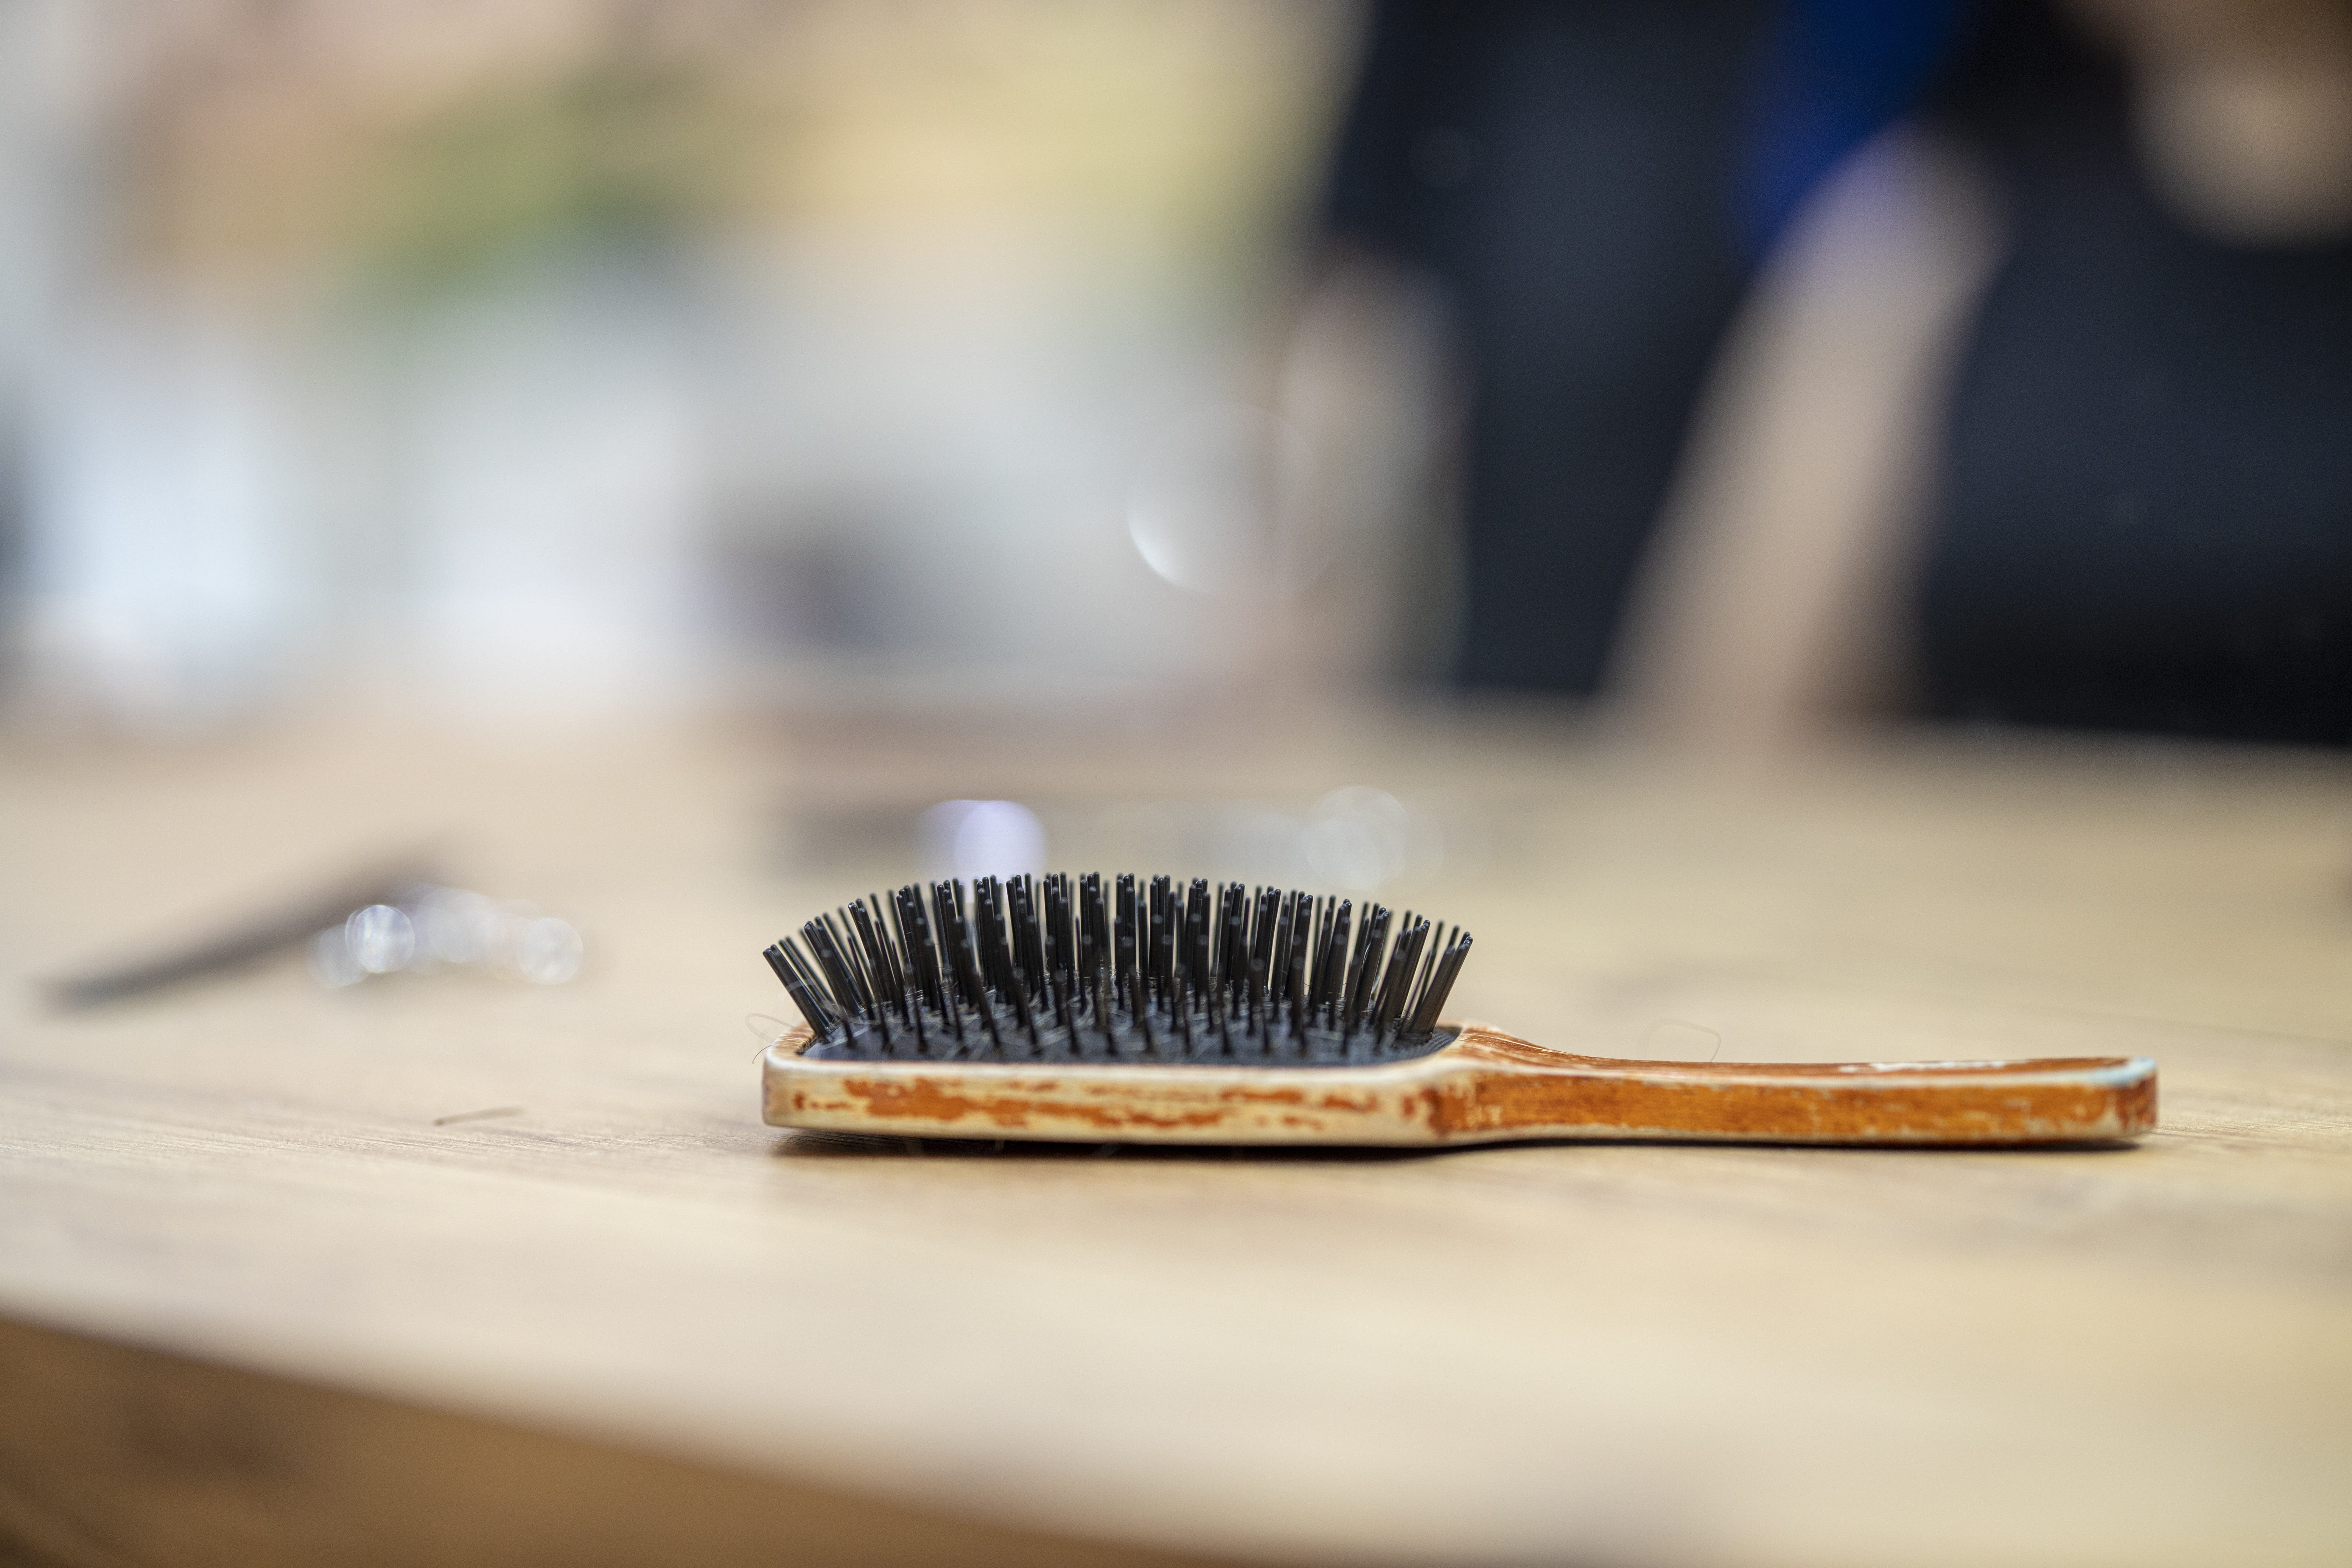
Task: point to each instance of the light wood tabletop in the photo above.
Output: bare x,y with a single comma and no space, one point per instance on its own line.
272,1292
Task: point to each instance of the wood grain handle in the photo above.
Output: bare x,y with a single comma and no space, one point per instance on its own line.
1530,1090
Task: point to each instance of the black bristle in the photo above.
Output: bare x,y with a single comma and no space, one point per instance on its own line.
1426,1015
1331,969
783,960
903,967
1097,969
835,970
863,1000
1163,945
957,936
1387,1004
1361,966
1294,980
1277,964
1124,938
1243,901
1435,945
876,967
1319,949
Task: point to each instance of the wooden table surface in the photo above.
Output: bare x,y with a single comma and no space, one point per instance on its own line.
263,1304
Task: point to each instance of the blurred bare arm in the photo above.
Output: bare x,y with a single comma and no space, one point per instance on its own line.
1771,599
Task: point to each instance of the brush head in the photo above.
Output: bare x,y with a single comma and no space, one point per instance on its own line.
1064,969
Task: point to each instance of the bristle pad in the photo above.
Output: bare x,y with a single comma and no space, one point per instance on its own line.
1060,968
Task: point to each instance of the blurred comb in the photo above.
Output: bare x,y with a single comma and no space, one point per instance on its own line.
235,942
1055,1009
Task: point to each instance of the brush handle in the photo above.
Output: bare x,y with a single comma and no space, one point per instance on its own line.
1486,1086
1508,1087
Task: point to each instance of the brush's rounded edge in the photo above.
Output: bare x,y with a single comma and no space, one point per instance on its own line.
1395,1104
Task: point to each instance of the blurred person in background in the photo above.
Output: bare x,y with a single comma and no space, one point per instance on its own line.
1975,358
1567,174
1992,362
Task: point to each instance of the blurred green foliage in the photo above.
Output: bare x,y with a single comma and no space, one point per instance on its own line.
620,151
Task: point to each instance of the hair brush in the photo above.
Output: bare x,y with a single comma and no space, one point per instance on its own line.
1054,1008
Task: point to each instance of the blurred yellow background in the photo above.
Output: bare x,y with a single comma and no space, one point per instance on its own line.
555,360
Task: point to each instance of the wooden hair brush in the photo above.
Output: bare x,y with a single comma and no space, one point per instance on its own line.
1046,1009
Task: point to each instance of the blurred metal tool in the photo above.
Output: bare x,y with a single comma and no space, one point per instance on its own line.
394,921
256,936
431,927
